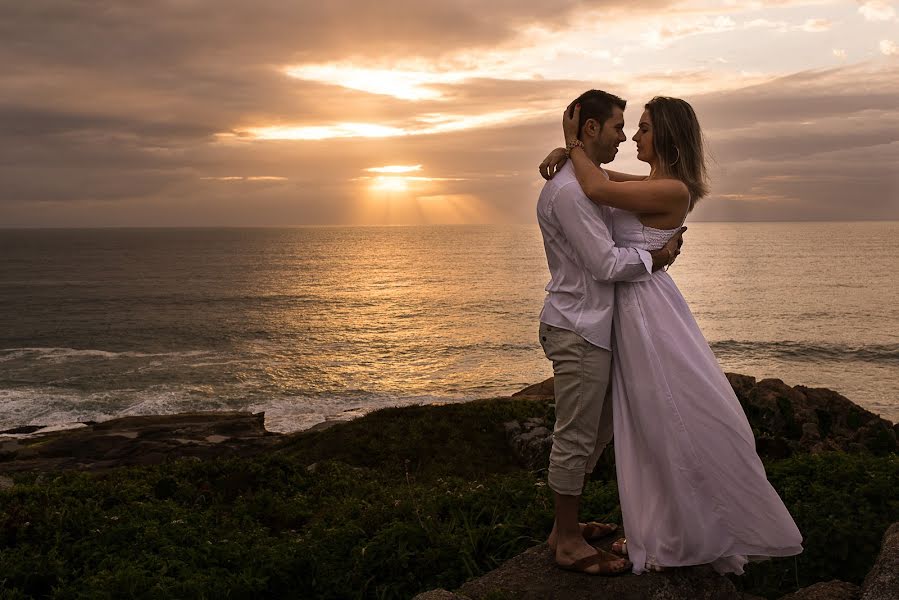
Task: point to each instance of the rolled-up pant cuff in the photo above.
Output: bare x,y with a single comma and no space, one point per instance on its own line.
568,482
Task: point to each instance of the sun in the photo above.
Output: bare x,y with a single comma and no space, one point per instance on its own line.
390,184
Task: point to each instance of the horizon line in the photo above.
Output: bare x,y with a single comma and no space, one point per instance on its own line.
381,225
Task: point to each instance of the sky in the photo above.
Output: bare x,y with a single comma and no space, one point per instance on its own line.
348,112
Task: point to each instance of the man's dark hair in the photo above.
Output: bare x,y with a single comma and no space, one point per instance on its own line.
595,104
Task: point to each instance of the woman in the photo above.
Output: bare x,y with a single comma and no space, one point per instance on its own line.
692,488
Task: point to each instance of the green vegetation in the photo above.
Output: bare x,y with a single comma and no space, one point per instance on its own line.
398,502
842,504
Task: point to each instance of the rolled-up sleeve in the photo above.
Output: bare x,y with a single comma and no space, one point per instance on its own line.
590,239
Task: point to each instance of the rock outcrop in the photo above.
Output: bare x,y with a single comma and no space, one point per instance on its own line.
786,420
538,391
826,590
531,441
882,582
143,440
533,575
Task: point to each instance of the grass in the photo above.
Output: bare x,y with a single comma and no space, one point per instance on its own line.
400,501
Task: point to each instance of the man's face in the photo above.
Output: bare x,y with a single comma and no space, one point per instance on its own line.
611,134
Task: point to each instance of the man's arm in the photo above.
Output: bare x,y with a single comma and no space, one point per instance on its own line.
591,240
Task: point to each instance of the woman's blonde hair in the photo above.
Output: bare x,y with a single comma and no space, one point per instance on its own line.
678,143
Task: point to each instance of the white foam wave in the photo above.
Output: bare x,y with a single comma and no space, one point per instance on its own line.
60,354
290,414
63,407
66,408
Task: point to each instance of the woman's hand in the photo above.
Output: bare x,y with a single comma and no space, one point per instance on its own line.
570,123
665,256
552,163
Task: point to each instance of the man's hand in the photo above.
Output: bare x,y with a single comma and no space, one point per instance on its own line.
667,254
552,163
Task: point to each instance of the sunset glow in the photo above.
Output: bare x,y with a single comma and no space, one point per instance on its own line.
321,132
198,113
389,184
405,85
425,124
395,169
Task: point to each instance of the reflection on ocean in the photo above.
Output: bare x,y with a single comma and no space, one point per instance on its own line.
318,323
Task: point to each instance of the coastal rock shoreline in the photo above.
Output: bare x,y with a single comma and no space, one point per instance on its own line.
141,440
786,420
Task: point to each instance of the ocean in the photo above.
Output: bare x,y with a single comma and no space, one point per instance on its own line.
316,324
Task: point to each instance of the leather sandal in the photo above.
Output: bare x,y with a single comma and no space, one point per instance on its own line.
619,546
603,559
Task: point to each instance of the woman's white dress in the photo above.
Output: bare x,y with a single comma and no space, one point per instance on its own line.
693,489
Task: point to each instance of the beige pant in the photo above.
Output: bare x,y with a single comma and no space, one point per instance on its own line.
583,409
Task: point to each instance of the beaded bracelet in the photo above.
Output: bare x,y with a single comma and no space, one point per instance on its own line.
572,145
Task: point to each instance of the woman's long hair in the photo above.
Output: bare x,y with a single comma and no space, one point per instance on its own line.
678,144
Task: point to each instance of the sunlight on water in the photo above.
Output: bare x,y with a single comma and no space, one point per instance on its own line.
309,324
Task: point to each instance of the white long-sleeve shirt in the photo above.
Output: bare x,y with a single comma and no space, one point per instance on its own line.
584,262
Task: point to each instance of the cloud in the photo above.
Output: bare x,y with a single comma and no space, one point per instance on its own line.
816,25
183,113
877,10
797,147
665,34
422,124
889,48
395,169
248,178
662,36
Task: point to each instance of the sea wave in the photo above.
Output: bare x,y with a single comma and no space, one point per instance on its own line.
798,351
285,413
8,354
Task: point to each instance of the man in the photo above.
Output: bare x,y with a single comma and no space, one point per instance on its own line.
576,324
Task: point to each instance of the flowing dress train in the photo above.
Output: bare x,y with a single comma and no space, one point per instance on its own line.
693,489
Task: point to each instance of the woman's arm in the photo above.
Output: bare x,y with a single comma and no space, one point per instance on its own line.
558,157
619,177
641,196
552,163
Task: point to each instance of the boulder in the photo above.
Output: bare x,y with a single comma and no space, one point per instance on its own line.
533,575
439,595
788,420
543,391
826,590
530,442
142,440
810,420
882,582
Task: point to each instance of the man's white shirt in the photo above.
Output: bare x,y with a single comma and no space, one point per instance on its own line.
584,262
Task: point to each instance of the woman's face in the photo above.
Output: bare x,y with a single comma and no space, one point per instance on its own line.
645,150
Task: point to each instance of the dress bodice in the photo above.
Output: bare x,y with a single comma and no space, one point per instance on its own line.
629,232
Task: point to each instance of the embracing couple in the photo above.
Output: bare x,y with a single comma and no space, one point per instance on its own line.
692,488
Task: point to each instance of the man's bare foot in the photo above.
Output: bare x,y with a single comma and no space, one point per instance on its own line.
591,531
584,558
